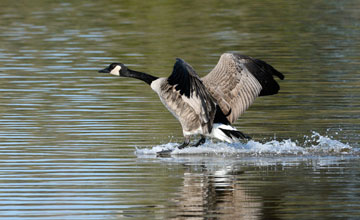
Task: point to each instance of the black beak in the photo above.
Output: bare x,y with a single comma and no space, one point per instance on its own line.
106,70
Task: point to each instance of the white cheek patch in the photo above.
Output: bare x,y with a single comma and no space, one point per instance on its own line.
116,71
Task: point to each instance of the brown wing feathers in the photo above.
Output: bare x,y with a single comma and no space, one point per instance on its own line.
188,83
228,90
237,80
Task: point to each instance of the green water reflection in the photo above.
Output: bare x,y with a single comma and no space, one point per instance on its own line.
68,134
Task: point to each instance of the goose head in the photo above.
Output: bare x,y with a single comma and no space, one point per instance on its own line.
116,69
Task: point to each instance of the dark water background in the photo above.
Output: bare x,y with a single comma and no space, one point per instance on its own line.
68,135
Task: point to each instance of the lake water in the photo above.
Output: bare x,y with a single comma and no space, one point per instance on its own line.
77,144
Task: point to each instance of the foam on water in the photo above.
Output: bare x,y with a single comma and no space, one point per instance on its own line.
316,144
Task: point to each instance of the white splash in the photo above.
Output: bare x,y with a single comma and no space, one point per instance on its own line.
314,145
327,145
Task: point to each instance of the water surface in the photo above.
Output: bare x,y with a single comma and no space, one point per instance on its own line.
76,144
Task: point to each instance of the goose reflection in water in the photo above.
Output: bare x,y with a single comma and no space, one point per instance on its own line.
217,192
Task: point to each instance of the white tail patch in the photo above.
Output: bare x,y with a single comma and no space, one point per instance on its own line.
219,134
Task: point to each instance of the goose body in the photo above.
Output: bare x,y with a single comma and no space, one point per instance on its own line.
208,106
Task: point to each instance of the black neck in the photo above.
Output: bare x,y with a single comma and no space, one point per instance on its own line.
142,76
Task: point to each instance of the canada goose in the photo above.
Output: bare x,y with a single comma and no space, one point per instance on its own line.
208,106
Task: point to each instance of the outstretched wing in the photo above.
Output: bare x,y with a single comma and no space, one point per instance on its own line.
187,82
237,80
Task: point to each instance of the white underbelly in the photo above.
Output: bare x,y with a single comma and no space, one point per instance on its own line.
199,130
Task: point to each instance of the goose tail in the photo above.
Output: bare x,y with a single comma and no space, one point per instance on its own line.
227,133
